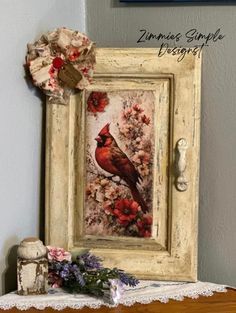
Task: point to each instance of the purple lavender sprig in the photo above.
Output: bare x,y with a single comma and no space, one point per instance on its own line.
68,272
72,274
126,278
89,262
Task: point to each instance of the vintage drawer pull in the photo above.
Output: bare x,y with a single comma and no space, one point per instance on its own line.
181,182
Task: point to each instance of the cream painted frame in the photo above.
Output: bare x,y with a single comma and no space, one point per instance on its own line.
178,260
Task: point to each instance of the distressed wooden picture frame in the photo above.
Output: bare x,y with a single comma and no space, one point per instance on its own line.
170,253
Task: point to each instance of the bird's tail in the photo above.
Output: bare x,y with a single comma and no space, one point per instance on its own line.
138,198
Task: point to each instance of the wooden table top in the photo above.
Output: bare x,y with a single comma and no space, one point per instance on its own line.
219,302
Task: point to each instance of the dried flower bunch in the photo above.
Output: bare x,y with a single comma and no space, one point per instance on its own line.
61,61
86,274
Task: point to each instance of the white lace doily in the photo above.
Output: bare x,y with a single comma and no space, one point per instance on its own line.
145,292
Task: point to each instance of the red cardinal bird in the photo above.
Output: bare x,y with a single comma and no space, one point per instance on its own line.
114,161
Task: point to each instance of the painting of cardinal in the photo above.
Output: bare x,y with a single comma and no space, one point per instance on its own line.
119,163
114,161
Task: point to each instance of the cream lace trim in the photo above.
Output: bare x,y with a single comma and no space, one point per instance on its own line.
145,292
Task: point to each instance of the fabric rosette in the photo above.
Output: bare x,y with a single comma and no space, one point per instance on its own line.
60,62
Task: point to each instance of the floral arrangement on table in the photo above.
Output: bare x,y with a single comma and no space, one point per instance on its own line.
60,62
84,273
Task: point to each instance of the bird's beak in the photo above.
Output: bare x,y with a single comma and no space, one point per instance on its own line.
98,139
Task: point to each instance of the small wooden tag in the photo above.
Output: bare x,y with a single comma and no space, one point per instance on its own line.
69,75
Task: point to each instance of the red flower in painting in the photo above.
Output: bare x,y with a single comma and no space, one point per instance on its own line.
126,211
97,101
144,226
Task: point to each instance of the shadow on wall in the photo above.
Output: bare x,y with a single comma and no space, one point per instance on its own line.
9,280
162,3
119,4
42,175
39,94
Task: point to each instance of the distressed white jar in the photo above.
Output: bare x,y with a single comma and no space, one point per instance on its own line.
32,267
31,248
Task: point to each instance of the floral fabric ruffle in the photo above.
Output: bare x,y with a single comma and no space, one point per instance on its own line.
60,62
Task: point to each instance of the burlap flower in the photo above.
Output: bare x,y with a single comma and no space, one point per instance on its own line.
60,62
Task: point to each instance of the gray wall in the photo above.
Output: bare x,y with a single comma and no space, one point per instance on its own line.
21,122
111,24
